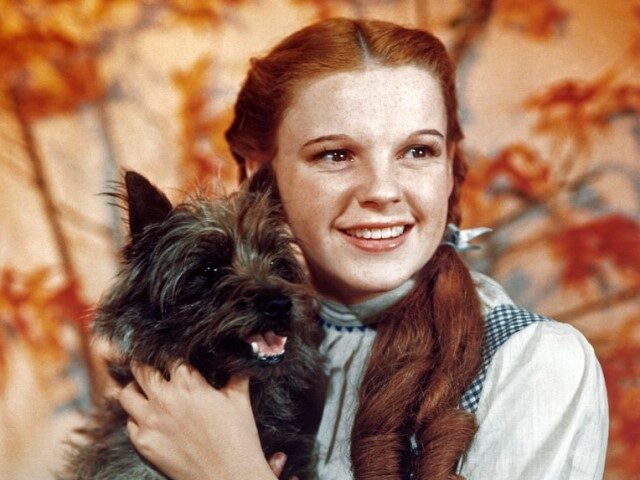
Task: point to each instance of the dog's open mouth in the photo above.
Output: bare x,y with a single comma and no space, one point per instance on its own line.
267,346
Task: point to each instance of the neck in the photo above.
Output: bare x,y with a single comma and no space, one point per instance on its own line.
356,314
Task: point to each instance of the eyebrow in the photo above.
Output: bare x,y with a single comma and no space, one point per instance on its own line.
426,131
324,138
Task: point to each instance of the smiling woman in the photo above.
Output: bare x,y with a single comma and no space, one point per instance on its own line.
376,165
433,372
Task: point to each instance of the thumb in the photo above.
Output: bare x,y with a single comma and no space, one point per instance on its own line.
276,462
238,383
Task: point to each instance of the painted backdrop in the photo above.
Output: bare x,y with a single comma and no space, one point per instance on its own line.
550,102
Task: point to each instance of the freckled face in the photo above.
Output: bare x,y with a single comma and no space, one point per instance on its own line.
364,175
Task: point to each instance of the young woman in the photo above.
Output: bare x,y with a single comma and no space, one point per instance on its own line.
433,371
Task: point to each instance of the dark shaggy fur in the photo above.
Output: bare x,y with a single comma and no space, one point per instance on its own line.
196,280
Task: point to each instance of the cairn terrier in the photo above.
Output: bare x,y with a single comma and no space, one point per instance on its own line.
215,283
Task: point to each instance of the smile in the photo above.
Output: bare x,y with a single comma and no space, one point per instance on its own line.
374,240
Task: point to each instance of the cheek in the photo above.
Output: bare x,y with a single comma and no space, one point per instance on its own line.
430,194
300,201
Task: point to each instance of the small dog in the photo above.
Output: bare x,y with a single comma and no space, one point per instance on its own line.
214,283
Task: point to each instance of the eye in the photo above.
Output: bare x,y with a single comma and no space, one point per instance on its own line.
422,151
286,270
340,155
209,272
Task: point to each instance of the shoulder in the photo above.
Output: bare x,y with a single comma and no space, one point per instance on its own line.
520,344
516,332
490,292
541,350
542,395
546,373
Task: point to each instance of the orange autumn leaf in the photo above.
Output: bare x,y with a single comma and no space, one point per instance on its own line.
34,308
202,12
583,250
539,19
620,361
634,47
477,203
523,168
576,110
48,54
516,172
324,8
206,160
58,88
50,51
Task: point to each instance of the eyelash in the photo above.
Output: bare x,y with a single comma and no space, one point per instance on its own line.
431,150
325,151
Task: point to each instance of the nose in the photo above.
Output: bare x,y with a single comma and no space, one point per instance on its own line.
379,184
275,306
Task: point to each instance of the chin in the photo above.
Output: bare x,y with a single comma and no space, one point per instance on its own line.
364,290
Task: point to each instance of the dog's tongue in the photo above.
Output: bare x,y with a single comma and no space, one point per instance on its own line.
268,342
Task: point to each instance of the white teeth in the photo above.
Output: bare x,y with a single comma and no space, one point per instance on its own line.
377,233
262,356
254,347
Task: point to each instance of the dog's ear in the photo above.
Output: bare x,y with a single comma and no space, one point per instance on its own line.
146,204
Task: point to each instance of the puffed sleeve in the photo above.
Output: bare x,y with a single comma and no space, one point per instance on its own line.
543,413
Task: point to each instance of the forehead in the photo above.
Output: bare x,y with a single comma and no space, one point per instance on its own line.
374,101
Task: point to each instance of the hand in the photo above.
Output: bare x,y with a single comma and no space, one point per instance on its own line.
190,430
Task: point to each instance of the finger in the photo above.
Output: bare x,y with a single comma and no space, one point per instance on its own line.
133,401
180,372
297,252
149,378
132,428
188,378
276,462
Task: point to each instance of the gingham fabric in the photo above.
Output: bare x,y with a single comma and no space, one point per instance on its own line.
340,328
501,322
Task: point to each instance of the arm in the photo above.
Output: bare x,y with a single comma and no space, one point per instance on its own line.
543,412
189,430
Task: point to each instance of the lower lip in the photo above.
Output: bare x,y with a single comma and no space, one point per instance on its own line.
382,245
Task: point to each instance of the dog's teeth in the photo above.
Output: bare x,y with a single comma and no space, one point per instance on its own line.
263,356
254,347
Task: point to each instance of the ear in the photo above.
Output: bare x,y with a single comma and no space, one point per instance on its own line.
262,181
146,204
252,164
451,153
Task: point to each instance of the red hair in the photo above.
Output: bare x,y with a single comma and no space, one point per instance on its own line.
428,346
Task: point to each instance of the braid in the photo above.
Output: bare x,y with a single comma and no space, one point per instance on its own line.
426,353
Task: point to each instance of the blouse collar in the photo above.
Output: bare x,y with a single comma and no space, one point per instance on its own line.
356,315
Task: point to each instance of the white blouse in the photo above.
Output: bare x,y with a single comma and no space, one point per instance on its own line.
542,413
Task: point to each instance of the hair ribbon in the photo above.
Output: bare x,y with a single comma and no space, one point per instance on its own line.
459,239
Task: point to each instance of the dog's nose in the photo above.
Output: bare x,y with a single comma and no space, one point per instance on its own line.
278,306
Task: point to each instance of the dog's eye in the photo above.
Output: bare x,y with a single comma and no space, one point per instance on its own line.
286,270
210,272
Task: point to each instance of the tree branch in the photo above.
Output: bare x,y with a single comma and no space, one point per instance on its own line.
631,293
